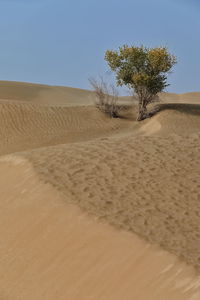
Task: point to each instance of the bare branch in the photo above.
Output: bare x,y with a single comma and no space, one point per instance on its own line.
106,97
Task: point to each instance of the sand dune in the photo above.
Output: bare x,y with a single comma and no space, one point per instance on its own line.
62,96
44,94
149,185
71,170
25,126
190,98
51,250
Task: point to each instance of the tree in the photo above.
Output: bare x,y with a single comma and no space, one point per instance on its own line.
106,97
142,69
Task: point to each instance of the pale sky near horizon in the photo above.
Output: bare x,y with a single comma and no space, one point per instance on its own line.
62,42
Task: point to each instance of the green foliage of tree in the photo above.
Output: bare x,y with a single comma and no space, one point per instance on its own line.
142,69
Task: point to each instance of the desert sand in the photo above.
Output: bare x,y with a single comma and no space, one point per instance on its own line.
93,207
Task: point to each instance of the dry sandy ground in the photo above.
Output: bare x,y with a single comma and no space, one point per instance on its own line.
64,167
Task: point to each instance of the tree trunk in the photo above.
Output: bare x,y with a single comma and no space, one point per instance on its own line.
142,112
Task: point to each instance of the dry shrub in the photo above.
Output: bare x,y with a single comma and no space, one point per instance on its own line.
106,97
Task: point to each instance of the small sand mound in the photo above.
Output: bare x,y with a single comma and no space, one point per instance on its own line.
181,119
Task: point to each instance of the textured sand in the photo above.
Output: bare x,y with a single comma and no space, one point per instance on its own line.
142,178
27,126
147,184
50,250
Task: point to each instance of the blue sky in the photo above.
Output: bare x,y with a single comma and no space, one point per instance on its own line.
62,42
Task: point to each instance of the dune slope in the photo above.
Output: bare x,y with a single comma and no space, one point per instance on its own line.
25,126
149,185
44,94
51,250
